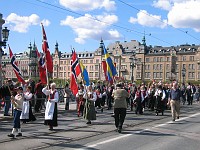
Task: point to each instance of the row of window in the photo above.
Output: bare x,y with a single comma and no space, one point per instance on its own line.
159,75
161,59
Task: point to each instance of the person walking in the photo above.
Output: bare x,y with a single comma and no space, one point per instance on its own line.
17,102
51,106
27,114
174,101
89,109
120,106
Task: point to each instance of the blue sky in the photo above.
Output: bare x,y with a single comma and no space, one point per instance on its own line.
81,23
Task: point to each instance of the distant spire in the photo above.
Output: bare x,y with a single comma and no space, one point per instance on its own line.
56,46
101,46
144,40
30,46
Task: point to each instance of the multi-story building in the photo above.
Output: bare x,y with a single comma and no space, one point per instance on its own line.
27,64
133,60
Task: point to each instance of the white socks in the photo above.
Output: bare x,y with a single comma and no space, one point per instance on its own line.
14,130
19,130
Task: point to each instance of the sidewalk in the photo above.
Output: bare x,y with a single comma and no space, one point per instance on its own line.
61,108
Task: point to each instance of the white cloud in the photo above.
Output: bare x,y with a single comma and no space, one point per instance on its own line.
149,20
88,5
163,4
185,15
167,4
22,23
86,27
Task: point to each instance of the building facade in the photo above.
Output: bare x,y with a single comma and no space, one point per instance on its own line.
133,60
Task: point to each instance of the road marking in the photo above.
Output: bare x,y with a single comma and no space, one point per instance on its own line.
137,132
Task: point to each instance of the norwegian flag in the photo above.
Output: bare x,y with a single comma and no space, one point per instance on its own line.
76,70
15,67
42,68
45,48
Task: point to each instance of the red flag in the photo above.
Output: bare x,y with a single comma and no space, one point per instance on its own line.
15,67
42,68
104,65
76,70
46,51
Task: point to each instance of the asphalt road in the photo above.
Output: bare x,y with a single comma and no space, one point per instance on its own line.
140,132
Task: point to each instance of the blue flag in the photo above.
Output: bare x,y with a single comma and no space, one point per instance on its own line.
84,74
111,69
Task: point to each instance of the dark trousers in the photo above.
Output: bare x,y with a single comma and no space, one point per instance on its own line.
38,103
7,105
120,114
16,120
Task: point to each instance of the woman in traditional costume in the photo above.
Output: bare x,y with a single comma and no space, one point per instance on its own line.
51,106
89,110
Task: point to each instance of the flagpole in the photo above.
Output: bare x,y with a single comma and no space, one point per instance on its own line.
46,71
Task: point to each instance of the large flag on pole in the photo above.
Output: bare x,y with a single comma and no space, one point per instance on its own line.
104,66
42,67
45,48
75,71
84,74
111,69
15,67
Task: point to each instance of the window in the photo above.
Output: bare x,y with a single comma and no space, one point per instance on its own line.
96,67
191,66
61,62
167,67
147,59
91,74
191,58
168,59
96,74
154,75
161,66
161,59
97,61
198,75
191,75
167,75
183,58
147,74
91,61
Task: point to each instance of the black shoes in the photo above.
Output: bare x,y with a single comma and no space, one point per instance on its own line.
173,119
177,117
11,135
89,122
19,134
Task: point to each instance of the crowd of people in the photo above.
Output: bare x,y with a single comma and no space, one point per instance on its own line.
155,97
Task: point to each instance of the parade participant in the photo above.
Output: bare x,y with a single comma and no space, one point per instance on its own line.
51,106
110,98
27,114
160,100
89,109
80,102
39,95
17,102
99,98
7,97
145,95
189,94
174,101
120,106
151,97
103,99
183,93
138,101
68,94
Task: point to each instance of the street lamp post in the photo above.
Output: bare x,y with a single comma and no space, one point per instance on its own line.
3,34
132,66
183,74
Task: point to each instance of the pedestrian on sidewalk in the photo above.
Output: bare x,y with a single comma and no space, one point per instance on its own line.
17,102
120,106
51,106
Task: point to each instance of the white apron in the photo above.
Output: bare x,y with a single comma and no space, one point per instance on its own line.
25,110
49,110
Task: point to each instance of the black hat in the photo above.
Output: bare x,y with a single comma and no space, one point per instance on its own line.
20,88
118,85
